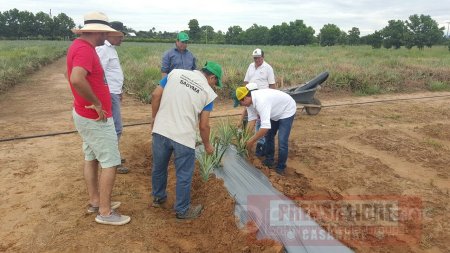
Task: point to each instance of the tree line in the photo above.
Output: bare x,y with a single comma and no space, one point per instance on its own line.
417,31
421,31
15,24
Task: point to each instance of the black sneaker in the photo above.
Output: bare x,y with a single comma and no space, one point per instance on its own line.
269,164
281,172
158,202
259,150
192,213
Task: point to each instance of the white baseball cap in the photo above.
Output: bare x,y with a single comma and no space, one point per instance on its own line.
257,52
251,86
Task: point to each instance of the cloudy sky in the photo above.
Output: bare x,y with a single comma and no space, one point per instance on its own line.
174,15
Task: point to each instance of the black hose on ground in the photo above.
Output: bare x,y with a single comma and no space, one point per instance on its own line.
220,116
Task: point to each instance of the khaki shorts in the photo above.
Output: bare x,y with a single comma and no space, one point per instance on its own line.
99,140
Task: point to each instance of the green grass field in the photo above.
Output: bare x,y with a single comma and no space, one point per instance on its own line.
20,58
358,69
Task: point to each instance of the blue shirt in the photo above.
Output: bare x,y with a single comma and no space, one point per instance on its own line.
174,59
208,107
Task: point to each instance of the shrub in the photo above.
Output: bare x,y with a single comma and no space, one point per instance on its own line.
438,86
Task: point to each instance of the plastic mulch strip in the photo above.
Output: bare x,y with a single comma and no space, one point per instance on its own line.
275,216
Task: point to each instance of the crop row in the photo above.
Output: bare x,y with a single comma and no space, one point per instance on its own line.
359,69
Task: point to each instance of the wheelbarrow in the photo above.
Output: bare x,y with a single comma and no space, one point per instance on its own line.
304,94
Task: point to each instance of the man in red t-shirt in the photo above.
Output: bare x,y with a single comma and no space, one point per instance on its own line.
93,118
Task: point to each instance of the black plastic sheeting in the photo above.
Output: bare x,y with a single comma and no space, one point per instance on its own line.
276,216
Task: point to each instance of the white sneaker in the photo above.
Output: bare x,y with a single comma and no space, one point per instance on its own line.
114,218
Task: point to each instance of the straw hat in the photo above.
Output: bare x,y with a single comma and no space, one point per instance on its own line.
95,22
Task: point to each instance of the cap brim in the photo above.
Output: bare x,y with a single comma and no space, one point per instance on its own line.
235,100
219,83
96,28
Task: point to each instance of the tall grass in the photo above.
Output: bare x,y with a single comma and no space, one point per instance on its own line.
20,58
141,63
439,86
358,69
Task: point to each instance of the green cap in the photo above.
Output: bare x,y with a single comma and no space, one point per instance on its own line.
216,69
182,36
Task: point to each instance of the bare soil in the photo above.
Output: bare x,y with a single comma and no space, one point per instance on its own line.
397,148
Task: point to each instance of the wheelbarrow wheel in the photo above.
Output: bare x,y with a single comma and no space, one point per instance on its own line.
314,110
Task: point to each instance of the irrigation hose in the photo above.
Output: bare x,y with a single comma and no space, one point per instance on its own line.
220,116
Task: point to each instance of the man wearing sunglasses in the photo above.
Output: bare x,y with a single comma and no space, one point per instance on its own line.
178,57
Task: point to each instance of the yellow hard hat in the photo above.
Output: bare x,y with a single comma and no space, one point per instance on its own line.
240,94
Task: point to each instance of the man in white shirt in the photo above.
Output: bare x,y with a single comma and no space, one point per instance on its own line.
261,73
114,78
276,109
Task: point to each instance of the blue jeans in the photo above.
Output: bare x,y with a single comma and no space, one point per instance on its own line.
283,127
261,140
260,150
163,148
117,117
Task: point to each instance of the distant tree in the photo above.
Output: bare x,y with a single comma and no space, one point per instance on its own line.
255,35
393,34
409,39
343,38
129,30
2,25
425,30
299,34
195,32
62,25
142,34
220,37
329,35
387,43
279,34
208,34
26,24
232,36
375,39
12,25
43,24
353,36
275,35
167,35
152,33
